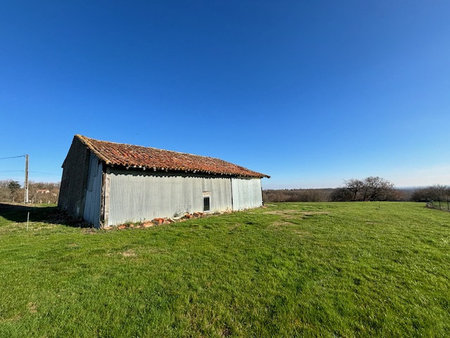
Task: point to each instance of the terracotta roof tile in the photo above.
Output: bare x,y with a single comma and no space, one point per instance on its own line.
128,155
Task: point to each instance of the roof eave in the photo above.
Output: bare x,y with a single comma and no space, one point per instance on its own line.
157,169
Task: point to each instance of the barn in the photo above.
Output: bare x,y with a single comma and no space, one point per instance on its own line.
107,183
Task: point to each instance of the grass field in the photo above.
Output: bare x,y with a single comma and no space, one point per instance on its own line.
328,269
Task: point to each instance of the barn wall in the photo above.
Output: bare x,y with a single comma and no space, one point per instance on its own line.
93,191
136,195
246,193
74,179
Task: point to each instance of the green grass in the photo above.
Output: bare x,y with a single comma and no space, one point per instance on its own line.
311,269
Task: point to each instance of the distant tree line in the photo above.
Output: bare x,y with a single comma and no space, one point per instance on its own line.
434,193
38,192
368,189
297,195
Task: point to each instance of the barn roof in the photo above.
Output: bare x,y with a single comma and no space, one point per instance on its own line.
131,156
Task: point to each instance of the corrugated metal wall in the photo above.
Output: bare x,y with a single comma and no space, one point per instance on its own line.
246,193
137,196
93,192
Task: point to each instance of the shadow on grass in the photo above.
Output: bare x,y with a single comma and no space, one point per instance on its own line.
45,214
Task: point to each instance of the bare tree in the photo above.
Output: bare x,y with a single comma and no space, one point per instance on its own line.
377,189
370,189
355,187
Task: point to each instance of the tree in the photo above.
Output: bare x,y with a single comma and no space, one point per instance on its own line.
355,187
13,187
377,189
370,189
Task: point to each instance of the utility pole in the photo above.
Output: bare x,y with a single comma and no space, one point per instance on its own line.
26,178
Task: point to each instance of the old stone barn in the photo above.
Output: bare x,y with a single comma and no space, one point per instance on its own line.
108,183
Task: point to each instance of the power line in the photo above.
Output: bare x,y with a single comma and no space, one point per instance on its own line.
6,158
43,172
31,171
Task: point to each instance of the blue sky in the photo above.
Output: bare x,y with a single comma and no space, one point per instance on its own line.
309,92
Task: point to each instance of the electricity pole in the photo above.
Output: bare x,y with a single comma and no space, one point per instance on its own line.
26,178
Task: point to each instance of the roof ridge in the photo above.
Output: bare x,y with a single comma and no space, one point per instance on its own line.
87,141
158,149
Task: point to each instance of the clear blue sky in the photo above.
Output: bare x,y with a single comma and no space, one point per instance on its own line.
309,92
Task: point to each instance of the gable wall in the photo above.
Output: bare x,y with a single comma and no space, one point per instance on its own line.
74,179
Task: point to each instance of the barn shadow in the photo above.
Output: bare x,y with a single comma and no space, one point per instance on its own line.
46,214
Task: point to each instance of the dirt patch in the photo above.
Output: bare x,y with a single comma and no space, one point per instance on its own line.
289,219
291,227
282,212
294,215
282,223
89,231
129,253
372,222
301,232
11,319
234,226
289,212
32,307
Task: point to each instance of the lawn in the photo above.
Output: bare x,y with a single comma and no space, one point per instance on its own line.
332,269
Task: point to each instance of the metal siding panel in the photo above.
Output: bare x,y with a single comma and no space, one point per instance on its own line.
220,193
91,212
246,193
137,196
